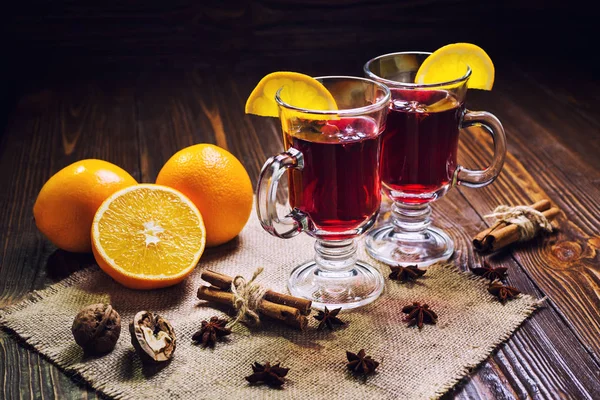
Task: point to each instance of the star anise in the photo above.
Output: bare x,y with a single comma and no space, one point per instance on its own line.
405,274
360,363
268,374
210,331
328,318
419,314
503,292
491,273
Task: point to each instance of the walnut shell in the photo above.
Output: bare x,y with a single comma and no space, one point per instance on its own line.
97,328
153,337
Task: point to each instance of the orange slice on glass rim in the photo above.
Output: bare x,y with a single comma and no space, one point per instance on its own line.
450,62
299,90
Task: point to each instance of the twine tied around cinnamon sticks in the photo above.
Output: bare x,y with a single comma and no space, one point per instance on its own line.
247,297
250,300
528,219
513,224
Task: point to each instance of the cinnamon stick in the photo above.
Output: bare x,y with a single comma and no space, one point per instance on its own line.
508,234
289,315
224,282
482,240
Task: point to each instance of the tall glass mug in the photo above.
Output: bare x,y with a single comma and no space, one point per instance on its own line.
418,158
334,189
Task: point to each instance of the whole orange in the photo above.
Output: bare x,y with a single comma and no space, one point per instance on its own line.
65,207
217,184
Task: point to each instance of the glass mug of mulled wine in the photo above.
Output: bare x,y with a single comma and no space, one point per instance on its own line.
334,189
419,158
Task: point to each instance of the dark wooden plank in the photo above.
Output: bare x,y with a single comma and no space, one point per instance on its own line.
52,126
566,266
558,103
24,156
165,107
30,376
194,106
544,355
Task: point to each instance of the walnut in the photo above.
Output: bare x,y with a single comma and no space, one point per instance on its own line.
97,328
153,337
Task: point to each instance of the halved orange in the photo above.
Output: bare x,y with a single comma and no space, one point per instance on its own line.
148,236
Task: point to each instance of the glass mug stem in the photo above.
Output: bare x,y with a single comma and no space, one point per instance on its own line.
335,256
411,217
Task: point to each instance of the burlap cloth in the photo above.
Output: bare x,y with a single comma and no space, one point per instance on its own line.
415,364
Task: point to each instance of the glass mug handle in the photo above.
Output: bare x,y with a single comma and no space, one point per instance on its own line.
479,178
266,195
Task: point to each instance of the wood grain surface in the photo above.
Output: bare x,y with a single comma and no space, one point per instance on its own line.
72,96
139,119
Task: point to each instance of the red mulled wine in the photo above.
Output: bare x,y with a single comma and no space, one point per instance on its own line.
419,145
339,186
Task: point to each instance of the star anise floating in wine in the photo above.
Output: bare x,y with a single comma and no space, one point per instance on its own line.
419,314
328,318
360,363
406,274
210,331
491,273
268,374
503,292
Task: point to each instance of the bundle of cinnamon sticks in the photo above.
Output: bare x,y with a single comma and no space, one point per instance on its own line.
283,307
504,234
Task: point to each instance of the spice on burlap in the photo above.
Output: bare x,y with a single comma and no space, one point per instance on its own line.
409,273
328,318
419,314
271,375
471,324
360,363
503,292
210,331
491,273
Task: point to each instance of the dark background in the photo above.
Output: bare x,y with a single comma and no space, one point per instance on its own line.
67,40
88,36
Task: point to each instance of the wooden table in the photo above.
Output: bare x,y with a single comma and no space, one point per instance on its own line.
138,117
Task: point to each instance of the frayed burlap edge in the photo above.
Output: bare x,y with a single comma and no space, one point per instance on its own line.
527,313
107,391
41,348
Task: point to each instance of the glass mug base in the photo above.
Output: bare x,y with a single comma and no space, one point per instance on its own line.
351,288
422,248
